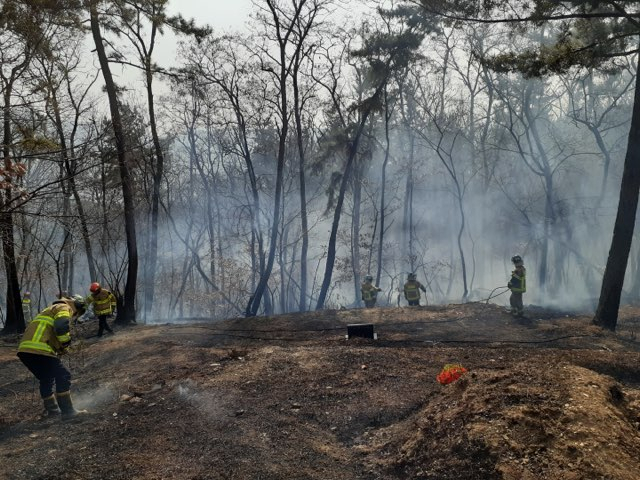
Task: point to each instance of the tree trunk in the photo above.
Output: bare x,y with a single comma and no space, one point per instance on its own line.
70,171
613,280
355,235
282,261
256,298
333,237
383,185
407,218
158,173
304,222
126,311
14,320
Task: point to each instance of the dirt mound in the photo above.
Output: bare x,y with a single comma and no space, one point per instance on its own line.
547,396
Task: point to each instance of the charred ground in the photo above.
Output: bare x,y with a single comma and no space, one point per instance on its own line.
289,397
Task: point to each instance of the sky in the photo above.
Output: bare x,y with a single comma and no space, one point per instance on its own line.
223,16
219,14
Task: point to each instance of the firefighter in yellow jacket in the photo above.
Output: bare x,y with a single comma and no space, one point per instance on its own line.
369,292
517,285
26,306
46,338
104,303
412,289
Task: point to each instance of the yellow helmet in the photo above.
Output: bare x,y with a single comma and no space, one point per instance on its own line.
79,303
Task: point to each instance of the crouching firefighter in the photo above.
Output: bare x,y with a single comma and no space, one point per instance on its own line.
46,338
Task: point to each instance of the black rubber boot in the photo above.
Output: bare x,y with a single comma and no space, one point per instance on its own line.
51,406
66,405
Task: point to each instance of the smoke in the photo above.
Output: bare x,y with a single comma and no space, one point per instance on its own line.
476,171
96,398
215,405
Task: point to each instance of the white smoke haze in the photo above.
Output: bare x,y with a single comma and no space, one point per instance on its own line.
480,166
96,398
214,405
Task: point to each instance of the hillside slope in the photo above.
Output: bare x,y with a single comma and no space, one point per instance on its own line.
289,397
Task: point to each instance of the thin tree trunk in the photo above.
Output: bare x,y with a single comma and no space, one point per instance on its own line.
256,298
158,173
70,171
304,221
355,236
331,251
383,186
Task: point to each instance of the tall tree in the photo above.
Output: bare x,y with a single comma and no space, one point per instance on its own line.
282,23
590,34
27,28
384,54
300,98
58,79
219,62
132,19
388,112
127,310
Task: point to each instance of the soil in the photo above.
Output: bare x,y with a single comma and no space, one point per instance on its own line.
547,396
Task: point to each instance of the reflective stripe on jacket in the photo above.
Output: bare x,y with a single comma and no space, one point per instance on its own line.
26,309
369,292
412,290
104,302
518,282
48,333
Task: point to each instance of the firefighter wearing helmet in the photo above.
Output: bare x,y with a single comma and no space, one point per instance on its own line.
369,292
46,338
26,306
412,289
517,285
104,304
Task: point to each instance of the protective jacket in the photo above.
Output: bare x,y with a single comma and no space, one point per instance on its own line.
518,282
48,334
26,308
104,302
412,290
369,291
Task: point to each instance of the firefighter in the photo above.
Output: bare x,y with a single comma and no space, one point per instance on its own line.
517,285
412,289
26,306
46,338
369,292
104,304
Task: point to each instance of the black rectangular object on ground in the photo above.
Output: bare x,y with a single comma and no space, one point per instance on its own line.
364,330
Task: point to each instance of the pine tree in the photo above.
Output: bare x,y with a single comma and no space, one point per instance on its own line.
589,34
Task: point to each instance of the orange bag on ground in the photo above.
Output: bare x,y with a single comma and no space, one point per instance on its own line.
450,373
